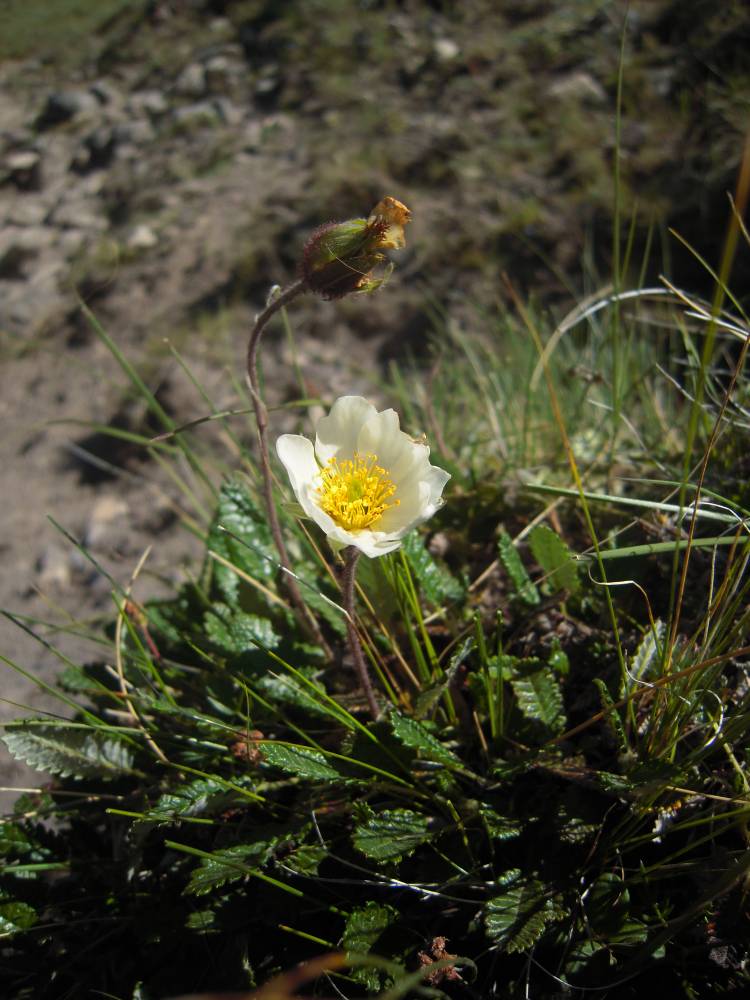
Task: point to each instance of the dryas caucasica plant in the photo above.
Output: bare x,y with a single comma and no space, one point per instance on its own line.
365,482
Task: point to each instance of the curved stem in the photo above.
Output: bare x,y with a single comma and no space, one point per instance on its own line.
261,419
351,555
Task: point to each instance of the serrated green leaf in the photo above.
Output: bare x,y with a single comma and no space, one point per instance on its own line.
236,632
363,928
16,917
365,925
70,752
416,736
539,696
499,827
285,689
300,761
201,921
305,859
436,583
555,558
240,535
559,661
613,716
193,799
645,658
511,560
228,865
516,918
13,841
391,834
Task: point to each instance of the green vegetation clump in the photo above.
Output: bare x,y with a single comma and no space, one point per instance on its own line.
555,793
56,29
554,798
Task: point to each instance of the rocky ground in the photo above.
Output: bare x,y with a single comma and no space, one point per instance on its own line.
166,176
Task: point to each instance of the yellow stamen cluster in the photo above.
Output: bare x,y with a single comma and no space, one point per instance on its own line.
355,492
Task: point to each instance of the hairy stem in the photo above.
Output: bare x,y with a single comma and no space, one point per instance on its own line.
351,555
261,419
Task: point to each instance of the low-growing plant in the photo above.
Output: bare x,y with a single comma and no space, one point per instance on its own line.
508,759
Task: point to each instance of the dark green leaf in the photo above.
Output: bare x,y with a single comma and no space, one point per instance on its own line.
70,752
236,632
229,864
516,570
300,761
516,918
363,928
391,834
196,798
306,859
240,535
646,657
416,736
539,697
15,917
201,921
555,558
613,716
437,584
499,827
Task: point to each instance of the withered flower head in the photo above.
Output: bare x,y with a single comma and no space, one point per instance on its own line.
339,257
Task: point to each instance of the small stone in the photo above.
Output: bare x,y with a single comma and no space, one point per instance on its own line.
445,49
53,568
27,212
24,169
79,214
62,105
203,114
142,237
101,145
220,75
96,152
439,544
192,81
578,86
138,132
18,246
104,92
32,307
106,512
148,102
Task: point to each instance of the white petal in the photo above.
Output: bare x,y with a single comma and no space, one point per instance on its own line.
373,543
395,451
419,500
337,433
298,458
436,480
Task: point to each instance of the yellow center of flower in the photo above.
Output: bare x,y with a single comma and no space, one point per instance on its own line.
355,492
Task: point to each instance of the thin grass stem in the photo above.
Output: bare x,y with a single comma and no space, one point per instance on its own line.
261,419
348,585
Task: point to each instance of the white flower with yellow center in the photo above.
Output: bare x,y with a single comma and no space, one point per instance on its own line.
365,482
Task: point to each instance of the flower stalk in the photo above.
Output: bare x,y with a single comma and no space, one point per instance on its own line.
284,297
351,556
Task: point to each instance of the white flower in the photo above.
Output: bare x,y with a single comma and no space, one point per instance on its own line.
365,482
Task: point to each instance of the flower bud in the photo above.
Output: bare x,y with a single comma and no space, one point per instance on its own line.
339,257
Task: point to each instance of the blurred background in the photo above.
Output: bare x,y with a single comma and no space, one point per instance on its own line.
162,162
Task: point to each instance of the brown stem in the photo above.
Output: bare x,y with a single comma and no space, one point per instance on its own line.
261,419
351,555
